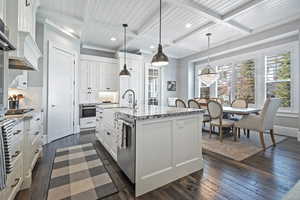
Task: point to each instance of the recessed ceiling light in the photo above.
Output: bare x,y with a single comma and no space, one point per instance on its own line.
188,25
152,47
113,39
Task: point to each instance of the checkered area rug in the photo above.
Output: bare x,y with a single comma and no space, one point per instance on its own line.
78,173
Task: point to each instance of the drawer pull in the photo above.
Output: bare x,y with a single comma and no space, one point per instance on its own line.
17,132
38,119
97,120
36,133
17,180
108,133
36,151
16,154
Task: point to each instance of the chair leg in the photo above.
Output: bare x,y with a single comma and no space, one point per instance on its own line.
248,133
244,131
210,130
262,141
221,133
234,133
272,137
239,132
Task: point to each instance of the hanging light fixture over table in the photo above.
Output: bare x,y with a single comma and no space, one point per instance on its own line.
125,71
208,75
160,59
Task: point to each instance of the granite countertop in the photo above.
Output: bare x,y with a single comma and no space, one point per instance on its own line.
145,112
25,116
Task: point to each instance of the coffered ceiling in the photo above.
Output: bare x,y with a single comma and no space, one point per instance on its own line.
184,23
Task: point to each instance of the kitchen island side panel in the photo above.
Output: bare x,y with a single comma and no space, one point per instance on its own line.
167,149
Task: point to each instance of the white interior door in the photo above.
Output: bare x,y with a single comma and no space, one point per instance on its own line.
61,92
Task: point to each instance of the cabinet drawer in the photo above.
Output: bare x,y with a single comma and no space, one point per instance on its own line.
89,122
14,181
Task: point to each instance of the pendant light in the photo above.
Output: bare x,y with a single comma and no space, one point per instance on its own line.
208,75
160,59
125,71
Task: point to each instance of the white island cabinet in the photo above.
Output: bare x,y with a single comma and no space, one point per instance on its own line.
163,145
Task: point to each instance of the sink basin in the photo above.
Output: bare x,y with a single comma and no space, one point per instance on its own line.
18,111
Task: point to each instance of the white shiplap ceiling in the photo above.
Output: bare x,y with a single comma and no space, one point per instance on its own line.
96,21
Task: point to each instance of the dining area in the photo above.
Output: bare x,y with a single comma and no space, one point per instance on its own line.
236,121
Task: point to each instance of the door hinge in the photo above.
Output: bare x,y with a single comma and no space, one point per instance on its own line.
74,103
73,82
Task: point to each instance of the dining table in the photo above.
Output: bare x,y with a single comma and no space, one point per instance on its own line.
240,111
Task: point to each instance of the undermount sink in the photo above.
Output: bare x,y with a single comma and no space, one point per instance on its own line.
18,111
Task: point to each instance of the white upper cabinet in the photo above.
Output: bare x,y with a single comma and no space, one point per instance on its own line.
96,74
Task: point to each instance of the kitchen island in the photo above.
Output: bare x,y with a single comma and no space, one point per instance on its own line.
153,145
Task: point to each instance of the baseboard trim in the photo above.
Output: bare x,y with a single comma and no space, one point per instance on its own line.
287,131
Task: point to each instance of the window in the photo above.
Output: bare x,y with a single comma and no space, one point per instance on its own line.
204,91
245,81
224,83
278,77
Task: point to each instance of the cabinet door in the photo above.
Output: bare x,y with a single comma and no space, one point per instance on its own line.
94,69
109,77
83,76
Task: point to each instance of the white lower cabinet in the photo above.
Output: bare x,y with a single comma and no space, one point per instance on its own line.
106,131
26,148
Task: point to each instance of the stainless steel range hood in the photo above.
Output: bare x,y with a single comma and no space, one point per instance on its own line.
20,63
27,54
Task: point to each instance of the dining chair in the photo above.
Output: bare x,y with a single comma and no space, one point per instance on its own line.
203,102
215,111
262,122
180,103
239,103
192,103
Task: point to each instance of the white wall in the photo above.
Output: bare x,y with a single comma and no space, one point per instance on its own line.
46,33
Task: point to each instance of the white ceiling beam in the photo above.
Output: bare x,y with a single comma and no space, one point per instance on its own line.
241,9
86,18
197,30
148,25
154,19
208,13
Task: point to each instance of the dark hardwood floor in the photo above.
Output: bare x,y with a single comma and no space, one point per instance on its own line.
266,175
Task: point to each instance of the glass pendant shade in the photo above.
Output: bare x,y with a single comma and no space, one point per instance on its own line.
160,59
208,76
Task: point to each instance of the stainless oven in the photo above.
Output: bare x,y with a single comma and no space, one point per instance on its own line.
87,110
5,46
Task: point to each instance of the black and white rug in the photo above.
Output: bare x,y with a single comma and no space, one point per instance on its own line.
78,173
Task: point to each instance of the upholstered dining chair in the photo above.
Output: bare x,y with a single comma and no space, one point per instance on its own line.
203,102
262,122
180,103
215,111
239,103
194,104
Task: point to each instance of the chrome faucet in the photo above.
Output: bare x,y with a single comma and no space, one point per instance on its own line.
134,104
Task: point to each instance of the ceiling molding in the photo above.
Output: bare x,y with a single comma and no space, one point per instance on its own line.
53,14
241,9
208,13
86,46
61,29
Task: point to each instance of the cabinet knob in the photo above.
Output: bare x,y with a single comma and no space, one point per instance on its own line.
16,154
108,88
36,133
17,132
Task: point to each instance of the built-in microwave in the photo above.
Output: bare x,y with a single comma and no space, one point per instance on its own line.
5,46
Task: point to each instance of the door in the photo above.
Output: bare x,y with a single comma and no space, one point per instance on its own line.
152,85
61,92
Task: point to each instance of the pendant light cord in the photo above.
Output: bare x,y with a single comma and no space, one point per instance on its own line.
125,49
208,47
160,21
